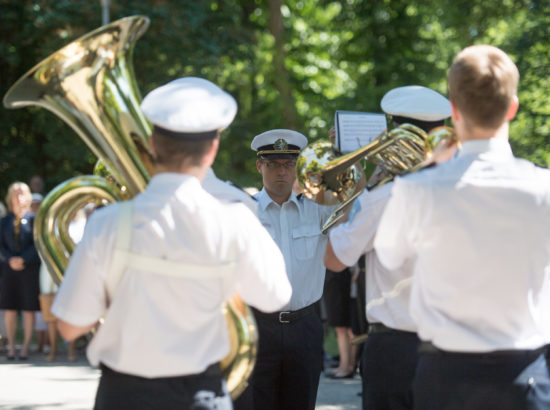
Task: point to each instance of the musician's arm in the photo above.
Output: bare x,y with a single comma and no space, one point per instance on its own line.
71,332
401,216
331,260
350,240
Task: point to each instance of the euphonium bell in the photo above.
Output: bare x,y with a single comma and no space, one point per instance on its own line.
90,84
329,178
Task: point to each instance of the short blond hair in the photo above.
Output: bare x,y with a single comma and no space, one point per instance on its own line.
12,188
483,81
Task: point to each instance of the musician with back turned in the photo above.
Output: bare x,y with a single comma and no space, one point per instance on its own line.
390,352
479,228
159,269
290,353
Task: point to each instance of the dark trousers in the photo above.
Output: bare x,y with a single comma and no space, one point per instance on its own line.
204,391
388,364
289,362
501,380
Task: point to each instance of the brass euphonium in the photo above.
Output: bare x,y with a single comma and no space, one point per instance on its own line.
329,178
90,84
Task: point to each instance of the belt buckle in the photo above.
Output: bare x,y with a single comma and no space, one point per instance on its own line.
281,319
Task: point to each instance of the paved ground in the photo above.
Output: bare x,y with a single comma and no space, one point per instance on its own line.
37,384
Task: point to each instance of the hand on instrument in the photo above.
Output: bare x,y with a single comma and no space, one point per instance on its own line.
380,173
444,151
16,263
332,134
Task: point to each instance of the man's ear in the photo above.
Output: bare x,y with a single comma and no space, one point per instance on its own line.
212,151
259,166
455,114
513,109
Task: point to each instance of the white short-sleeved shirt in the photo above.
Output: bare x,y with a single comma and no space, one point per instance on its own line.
225,192
387,291
480,228
157,325
296,228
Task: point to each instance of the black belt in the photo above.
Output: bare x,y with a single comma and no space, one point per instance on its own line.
212,370
382,328
285,316
428,347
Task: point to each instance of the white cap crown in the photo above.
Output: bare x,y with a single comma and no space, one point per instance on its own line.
416,102
189,105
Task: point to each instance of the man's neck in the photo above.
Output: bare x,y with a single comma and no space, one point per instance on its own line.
195,171
279,199
477,133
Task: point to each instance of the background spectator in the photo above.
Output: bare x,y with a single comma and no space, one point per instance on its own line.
19,262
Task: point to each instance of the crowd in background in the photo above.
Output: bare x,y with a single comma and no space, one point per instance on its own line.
27,289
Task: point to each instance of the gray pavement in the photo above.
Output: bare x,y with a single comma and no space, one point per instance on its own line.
37,384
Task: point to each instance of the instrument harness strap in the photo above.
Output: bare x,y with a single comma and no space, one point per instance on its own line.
124,258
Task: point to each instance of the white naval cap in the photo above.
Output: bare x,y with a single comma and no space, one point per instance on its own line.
278,144
189,107
416,102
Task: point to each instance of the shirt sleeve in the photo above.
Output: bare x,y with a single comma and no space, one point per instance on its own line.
261,275
393,242
81,299
356,236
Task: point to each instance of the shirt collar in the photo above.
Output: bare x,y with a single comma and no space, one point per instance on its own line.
166,183
498,146
264,200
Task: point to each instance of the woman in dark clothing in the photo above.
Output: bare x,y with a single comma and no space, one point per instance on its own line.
19,263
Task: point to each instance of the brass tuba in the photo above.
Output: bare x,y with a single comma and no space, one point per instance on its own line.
90,84
329,178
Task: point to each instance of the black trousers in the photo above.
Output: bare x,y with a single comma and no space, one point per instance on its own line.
512,380
289,362
388,364
204,391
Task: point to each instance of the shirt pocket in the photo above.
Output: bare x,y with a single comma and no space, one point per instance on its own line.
305,240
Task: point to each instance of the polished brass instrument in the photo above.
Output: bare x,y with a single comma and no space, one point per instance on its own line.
329,178
90,84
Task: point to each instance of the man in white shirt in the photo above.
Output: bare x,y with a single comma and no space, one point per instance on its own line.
390,352
479,228
160,269
290,353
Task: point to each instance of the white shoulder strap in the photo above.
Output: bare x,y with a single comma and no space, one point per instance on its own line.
123,258
122,246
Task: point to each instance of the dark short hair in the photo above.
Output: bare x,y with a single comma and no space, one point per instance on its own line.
171,151
483,81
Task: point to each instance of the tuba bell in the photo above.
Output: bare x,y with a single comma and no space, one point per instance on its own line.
329,178
90,85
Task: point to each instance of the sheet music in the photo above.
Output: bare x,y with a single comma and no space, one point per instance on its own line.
356,129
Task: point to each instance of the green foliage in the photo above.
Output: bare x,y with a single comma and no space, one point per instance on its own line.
325,55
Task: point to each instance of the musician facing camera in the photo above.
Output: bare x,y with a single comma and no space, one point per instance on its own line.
290,356
159,268
390,352
478,227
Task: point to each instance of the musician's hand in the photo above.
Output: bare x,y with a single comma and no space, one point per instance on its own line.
332,135
16,263
444,151
378,175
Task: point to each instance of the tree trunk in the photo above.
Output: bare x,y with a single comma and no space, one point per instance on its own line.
282,76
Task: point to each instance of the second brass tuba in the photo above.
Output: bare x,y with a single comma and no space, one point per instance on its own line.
90,84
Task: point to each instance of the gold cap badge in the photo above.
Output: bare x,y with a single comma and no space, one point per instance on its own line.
280,145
